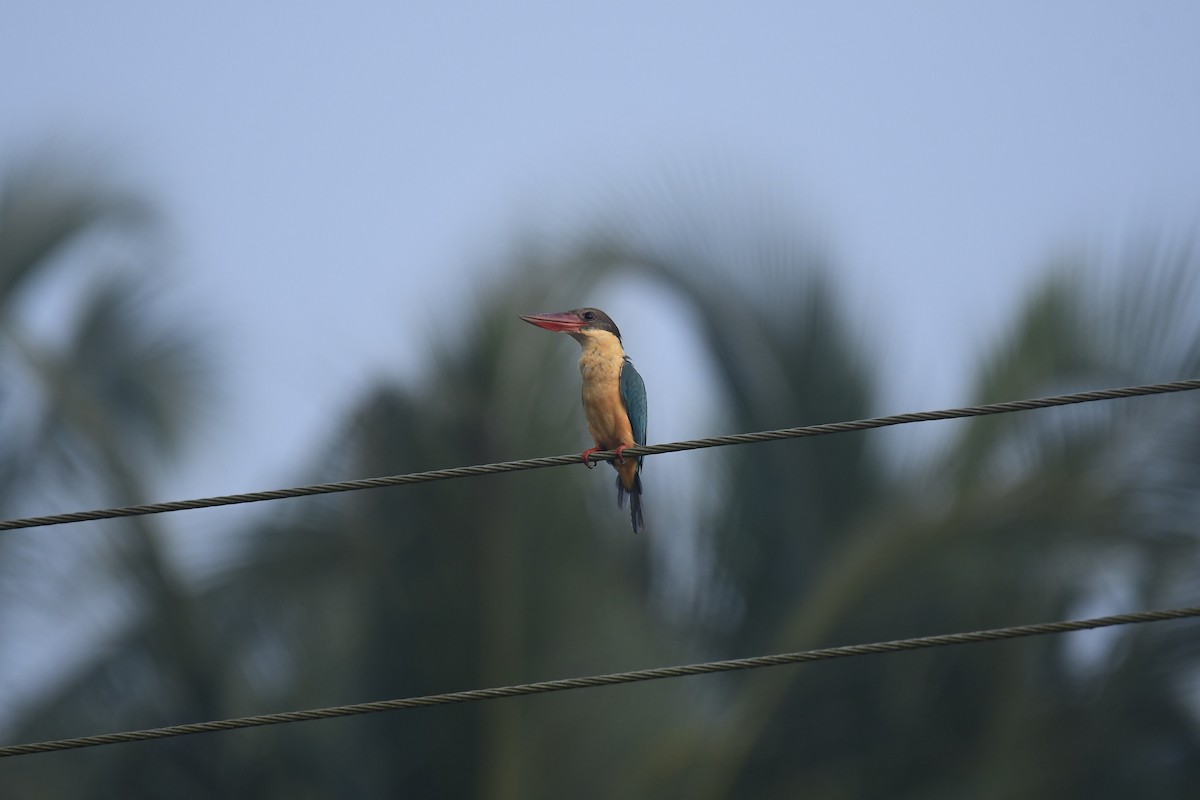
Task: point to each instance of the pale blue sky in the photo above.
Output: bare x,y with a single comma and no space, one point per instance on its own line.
350,163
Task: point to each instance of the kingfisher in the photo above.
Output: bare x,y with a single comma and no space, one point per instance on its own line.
614,396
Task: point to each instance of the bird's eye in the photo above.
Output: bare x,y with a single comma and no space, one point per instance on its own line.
589,316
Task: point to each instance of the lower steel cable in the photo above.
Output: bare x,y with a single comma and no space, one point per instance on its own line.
475,695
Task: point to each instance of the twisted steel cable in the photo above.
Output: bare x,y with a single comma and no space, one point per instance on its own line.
608,455
520,690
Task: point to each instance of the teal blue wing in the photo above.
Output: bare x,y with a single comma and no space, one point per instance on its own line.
633,395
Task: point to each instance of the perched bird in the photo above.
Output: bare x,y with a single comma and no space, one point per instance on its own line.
614,396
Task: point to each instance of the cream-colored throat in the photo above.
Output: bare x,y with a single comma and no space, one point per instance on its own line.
602,357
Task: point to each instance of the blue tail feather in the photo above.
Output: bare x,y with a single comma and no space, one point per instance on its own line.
635,502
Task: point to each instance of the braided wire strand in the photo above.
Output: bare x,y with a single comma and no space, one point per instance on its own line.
611,679
607,455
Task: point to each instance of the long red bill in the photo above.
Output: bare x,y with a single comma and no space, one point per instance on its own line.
561,323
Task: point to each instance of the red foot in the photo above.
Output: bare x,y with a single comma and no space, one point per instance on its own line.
587,457
620,449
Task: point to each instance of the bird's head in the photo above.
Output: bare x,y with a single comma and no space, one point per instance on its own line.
579,323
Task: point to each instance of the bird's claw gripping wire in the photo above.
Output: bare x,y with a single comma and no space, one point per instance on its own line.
590,462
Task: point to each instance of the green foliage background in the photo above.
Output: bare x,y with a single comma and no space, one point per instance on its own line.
372,595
